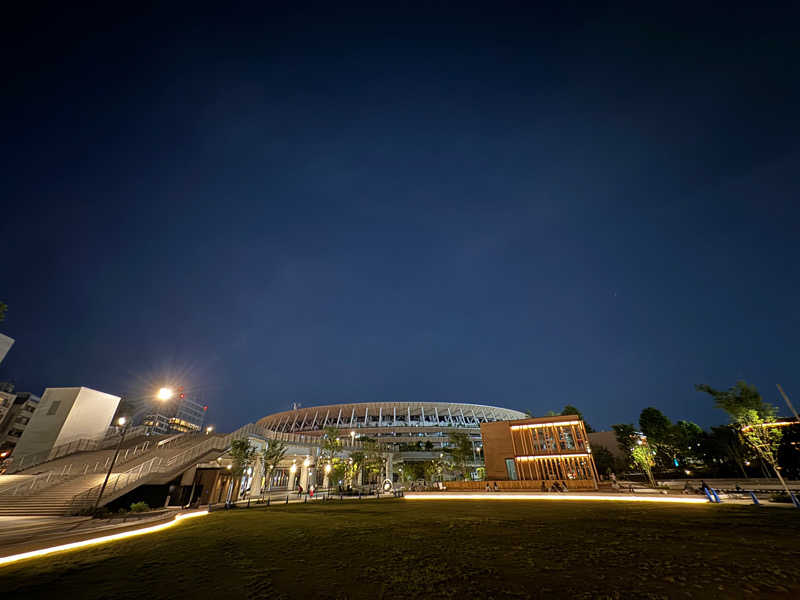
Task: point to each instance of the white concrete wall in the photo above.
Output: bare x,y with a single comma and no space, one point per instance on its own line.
5,345
81,413
90,416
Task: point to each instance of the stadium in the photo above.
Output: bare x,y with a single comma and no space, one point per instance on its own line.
416,430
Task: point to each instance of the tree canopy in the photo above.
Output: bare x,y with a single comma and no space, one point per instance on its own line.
655,424
569,409
242,455
737,400
460,450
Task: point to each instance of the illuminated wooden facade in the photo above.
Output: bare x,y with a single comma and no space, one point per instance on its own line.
539,451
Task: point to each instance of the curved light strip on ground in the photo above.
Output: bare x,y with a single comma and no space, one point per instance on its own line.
5,560
554,496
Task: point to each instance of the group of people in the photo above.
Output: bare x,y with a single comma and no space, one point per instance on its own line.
556,486
300,491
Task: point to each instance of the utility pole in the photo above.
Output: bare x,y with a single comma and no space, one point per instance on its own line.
788,402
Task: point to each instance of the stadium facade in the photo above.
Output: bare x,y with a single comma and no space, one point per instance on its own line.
403,427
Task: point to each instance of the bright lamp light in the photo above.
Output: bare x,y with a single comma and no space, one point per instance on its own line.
165,393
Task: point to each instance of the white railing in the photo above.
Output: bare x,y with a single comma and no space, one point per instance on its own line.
216,443
78,445
118,480
70,471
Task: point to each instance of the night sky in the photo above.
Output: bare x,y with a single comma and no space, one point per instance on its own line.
440,203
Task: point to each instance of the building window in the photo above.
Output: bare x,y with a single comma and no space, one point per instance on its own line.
53,407
511,468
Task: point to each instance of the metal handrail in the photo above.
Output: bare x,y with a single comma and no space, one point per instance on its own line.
79,445
160,465
44,480
218,443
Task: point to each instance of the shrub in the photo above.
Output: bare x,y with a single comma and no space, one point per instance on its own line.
140,507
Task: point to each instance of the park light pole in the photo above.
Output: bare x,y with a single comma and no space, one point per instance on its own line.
122,421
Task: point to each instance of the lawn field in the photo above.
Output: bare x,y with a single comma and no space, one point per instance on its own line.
396,548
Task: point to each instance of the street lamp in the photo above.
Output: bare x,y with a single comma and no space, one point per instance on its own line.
121,423
209,429
165,393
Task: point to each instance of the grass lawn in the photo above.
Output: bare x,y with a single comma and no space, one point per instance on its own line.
419,549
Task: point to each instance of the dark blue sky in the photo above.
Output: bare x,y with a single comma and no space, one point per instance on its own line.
490,205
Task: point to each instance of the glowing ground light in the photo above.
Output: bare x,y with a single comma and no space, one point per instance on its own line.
589,498
6,560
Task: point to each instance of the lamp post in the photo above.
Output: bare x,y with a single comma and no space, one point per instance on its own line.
121,422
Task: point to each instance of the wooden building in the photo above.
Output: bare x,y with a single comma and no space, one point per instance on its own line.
535,453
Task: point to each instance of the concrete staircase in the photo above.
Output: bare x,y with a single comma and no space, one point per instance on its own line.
55,500
158,464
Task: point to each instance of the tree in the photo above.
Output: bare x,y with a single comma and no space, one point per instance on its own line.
428,446
738,400
662,436
726,446
603,459
655,424
411,471
689,438
764,439
354,464
3,309
242,454
331,447
750,415
569,409
373,457
434,469
626,436
643,458
460,450
271,455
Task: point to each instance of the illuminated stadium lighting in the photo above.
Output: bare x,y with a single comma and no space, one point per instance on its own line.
6,560
586,497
